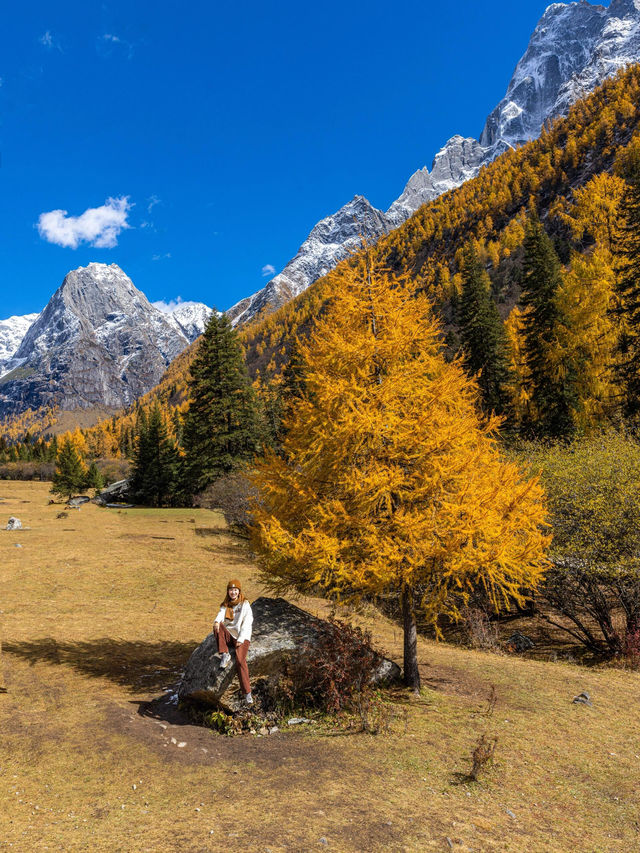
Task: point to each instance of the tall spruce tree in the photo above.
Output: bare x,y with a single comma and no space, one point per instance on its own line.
155,461
483,335
552,391
222,426
627,287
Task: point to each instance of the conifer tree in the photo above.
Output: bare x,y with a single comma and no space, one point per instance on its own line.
94,479
483,335
552,385
627,287
155,461
222,426
70,473
389,482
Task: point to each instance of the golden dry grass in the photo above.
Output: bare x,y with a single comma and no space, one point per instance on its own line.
102,608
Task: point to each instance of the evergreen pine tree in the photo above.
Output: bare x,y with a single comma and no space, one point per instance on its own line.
94,479
222,426
155,461
627,287
70,474
483,335
552,391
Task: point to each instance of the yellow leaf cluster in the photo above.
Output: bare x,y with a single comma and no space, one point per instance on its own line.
388,476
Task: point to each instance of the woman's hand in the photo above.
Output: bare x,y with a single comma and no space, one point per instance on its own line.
216,627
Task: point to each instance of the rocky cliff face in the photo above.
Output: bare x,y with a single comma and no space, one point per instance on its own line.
574,48
99,341
331,240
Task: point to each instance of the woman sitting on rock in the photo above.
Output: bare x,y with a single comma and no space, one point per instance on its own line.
233,625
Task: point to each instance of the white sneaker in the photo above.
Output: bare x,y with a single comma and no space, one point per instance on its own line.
225,660
248,699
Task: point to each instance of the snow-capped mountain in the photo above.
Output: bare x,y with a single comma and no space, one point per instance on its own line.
12,331
331,240
188,318
573,49
99,341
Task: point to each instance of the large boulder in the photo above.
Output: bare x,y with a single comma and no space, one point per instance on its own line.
279,629
14,524
115,493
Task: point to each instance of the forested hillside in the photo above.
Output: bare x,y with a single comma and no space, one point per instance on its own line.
526,267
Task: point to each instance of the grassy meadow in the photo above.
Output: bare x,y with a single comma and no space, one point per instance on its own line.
100,611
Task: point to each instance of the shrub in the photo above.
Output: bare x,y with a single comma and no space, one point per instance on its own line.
482,633
594,504
231,494
482,755
332,675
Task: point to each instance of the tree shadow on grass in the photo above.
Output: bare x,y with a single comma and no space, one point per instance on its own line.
132,664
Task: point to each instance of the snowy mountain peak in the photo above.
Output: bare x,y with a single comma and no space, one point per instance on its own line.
329,242
189,318
12,331
98,341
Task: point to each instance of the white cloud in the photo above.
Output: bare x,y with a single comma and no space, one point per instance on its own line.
268,269
153,200
168,307
49,41
109,42
98,226
161,257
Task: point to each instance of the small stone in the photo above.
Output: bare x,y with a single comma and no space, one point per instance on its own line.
273,730
511,814
583,699
296,721
134,786
323,840
181,744
14,524
519,642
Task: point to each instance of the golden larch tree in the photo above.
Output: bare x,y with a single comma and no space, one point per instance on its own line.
389,481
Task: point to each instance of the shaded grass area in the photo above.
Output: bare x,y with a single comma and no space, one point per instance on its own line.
132,664
98,621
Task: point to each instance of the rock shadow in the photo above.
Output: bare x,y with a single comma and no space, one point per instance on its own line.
132,664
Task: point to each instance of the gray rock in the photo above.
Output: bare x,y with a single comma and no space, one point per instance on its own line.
76,503
116,492
583,699
519,642
279,628
14,524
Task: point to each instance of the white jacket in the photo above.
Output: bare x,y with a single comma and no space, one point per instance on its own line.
240,626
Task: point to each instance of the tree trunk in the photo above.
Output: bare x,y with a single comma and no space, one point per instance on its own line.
411,672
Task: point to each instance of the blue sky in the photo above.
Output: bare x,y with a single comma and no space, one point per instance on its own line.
223,132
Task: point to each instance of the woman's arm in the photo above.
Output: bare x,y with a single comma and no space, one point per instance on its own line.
246,623
219,619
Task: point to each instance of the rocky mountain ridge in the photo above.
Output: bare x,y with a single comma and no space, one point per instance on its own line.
99,341
573,49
